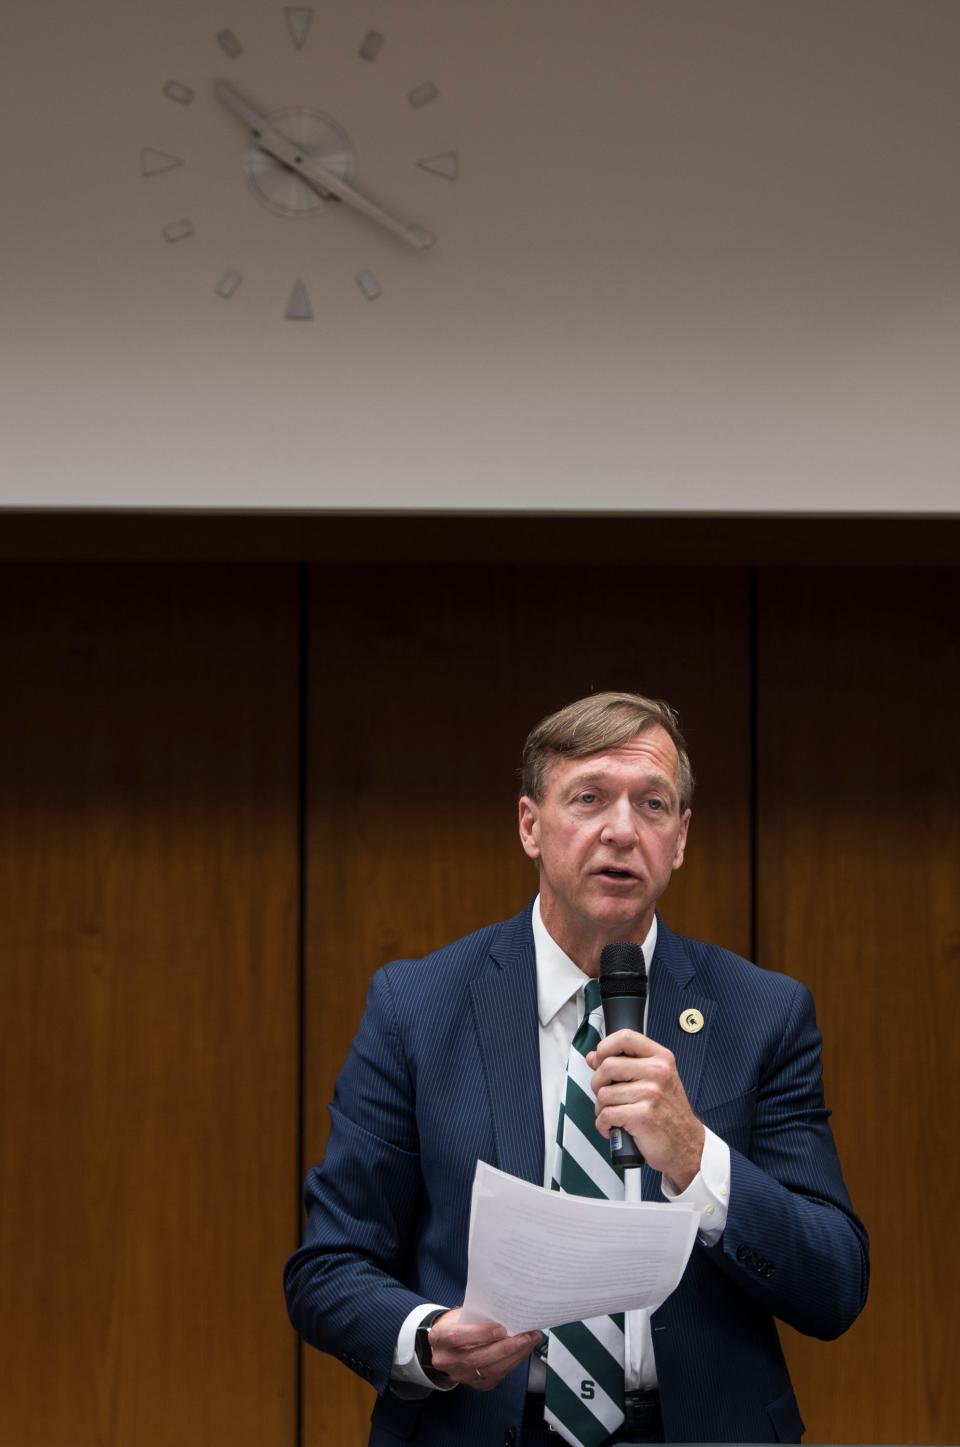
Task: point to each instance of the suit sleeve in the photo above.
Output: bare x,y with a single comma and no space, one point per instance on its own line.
344,1285
793,1242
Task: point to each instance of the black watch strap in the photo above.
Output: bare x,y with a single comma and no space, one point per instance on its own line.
421,1343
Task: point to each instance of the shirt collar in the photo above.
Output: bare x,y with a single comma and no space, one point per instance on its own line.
558,978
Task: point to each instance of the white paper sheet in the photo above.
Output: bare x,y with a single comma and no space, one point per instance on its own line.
538,1258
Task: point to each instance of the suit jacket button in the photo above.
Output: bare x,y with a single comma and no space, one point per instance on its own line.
510,1437
742,1253
769,1269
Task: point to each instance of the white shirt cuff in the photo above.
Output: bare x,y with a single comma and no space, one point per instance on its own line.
709,1191
407,1377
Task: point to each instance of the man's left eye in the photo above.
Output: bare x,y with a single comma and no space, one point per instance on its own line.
655,803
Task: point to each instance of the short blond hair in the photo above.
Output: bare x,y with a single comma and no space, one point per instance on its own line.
595,723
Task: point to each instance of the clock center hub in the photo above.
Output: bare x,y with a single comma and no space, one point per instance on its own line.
280,189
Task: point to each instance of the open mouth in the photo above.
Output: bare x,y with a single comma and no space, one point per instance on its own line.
615,874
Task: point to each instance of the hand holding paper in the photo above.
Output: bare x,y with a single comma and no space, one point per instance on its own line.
477,1354
538,1258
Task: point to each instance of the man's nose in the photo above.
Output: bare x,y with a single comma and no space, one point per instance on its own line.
619,827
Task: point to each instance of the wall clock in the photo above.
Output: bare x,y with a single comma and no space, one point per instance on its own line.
298,161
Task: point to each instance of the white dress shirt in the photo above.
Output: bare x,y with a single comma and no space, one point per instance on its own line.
560,1000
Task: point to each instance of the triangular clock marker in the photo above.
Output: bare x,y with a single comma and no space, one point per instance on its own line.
299,20
446,164
298,307
153,162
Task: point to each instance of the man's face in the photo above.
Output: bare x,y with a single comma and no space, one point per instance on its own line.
608,834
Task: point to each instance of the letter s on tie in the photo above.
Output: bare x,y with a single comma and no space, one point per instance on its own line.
587,1389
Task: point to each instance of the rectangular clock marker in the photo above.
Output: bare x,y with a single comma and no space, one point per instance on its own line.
228,284
421,95
229,44
176,90
369,285
178,230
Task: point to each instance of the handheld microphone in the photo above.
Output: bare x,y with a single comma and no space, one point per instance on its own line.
623,993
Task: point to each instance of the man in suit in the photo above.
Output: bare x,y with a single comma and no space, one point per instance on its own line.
461,1056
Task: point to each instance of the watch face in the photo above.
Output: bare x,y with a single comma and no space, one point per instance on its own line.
422,1346
298,161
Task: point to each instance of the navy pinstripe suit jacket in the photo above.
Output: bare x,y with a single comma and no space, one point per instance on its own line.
445,1071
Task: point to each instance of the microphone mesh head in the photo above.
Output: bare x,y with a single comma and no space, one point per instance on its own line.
622,970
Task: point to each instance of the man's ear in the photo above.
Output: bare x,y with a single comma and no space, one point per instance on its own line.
529,820
682,838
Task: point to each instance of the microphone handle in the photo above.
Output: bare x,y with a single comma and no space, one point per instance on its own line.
624,1012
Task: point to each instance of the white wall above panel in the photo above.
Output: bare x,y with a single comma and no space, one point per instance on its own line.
691,255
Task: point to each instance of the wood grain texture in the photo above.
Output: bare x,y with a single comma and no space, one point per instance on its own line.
859,895
424,684
148,989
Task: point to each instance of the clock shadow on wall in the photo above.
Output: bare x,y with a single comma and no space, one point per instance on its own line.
298,161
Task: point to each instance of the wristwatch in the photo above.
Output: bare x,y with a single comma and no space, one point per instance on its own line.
421,1347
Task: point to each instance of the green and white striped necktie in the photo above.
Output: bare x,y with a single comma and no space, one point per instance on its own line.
584,1392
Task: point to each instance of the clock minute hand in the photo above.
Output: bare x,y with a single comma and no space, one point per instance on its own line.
322,179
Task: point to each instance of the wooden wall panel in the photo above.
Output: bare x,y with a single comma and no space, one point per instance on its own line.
148,879
424,684
148,992
859,895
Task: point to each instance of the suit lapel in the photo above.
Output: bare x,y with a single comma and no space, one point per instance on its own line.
504,1003
673,993
504,1000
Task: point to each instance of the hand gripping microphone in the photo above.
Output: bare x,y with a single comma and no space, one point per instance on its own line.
623,992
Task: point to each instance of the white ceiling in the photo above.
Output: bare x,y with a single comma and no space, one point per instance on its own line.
703,255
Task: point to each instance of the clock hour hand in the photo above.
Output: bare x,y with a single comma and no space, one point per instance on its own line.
269,139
